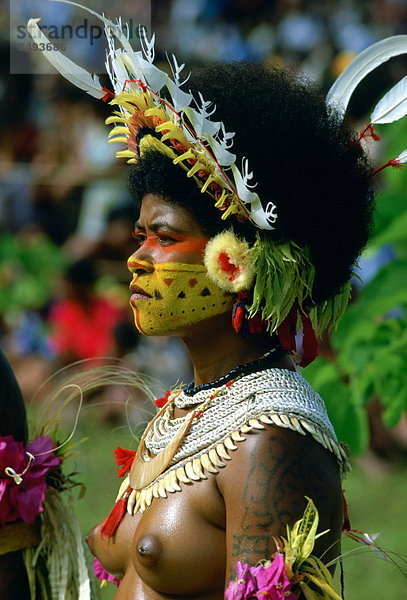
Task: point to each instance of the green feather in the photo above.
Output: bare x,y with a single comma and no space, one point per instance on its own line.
284,277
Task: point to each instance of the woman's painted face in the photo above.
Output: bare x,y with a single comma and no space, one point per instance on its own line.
171,288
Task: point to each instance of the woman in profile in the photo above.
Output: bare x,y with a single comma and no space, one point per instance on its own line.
230,459
245,244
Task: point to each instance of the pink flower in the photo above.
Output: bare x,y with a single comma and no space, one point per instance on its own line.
244,587
24,500
102,574
272,582
262,583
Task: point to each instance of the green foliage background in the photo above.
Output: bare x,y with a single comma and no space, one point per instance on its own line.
370,342
29,265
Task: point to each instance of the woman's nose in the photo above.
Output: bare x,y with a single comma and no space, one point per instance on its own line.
139,266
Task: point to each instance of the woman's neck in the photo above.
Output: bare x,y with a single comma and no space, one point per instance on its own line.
216,349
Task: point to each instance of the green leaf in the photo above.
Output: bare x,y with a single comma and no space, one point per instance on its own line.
393,233
320,372
348,418
396,409
308,529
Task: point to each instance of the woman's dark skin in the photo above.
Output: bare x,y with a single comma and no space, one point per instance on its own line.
185,546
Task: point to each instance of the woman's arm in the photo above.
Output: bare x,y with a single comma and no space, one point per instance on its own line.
264,488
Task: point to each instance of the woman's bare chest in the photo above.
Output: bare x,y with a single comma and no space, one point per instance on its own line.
176,547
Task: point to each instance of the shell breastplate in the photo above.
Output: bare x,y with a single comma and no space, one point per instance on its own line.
222,417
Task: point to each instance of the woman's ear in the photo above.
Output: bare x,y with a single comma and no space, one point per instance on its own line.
230,262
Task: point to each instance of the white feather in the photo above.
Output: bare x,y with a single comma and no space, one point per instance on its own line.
241,183
200,123
223,156
341,91
247,197
71,71
199,117
264,219
225,138
154,77
180,99
177,69
402,158
393,106
113,66
147,46
248,175
109,26
205,107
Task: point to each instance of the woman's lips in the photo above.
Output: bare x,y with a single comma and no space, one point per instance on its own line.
138,294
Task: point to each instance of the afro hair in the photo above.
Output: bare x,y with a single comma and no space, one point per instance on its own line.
304,159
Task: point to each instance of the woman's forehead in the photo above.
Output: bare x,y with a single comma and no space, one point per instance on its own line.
156,213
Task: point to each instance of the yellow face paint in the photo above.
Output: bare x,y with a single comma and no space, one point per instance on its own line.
168,296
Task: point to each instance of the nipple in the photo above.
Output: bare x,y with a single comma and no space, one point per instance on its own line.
149,550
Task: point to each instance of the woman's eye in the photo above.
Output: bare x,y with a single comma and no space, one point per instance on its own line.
165,240
139,237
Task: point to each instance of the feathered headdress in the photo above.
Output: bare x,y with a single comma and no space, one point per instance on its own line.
156,111
393,105
182,126
183,129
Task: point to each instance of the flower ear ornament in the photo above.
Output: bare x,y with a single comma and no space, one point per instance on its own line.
156,111
230,262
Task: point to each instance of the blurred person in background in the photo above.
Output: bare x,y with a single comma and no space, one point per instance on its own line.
82,322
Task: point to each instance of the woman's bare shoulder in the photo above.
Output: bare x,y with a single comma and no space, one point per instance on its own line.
264,486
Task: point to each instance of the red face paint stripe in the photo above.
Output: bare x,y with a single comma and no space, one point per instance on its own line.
139,264
137,319
183,243
188,246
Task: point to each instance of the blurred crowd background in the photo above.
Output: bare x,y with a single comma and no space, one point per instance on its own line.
66,217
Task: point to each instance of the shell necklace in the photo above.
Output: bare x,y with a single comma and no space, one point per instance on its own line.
145,468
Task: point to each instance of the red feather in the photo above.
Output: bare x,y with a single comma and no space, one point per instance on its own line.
124,459
163,400
113,519
287,330
369,132
309,341
394,162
